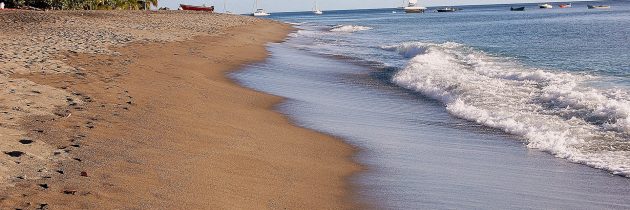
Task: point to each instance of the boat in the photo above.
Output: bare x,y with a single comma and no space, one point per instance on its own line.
564,5
225,8
197,8
545,6
447,9
316,9
259,12
598,6
517,8
412,7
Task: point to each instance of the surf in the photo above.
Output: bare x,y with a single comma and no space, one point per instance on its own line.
554,111
349,28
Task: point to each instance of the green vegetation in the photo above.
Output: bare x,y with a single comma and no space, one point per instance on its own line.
83,4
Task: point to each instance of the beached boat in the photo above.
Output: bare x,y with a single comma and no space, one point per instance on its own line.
545,6
259,12
517,8
598,6
447,9
197,8
413,7
564,5
316,10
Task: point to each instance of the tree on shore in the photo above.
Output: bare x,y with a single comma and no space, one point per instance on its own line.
83,4
149,3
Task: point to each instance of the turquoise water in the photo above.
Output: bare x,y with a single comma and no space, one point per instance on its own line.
481,108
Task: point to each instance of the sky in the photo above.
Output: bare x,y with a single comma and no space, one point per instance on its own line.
246,6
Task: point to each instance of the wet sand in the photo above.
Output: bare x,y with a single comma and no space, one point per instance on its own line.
152,123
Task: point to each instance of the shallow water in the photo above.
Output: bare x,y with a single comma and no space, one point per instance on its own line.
419,156
455,111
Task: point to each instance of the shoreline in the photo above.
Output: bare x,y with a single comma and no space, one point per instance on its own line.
415,150
160,125
420,151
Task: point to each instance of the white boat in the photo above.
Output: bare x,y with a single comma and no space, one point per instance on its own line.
316,9
413,7
545,6
259,12
225,7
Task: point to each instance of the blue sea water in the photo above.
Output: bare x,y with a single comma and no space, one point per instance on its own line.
480,108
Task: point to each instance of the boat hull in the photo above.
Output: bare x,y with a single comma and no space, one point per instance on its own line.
414,9
598,7
446,10
517,9
197,8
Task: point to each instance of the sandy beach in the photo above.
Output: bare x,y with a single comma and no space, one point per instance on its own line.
133,110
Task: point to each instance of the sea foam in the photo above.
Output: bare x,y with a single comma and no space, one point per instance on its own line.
553,111
349,28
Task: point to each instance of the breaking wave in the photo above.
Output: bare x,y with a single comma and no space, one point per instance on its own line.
297,24
349,28
553,111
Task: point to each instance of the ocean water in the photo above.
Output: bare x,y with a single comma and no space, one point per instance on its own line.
480,108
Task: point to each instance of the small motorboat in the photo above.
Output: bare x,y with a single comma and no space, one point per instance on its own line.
564,5
545,6
517,8
197,8
447,9
598,6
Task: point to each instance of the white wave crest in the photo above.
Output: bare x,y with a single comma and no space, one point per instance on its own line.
411,49
555,112
297,24
349,28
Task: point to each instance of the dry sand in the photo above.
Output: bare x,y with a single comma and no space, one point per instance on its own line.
132,110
